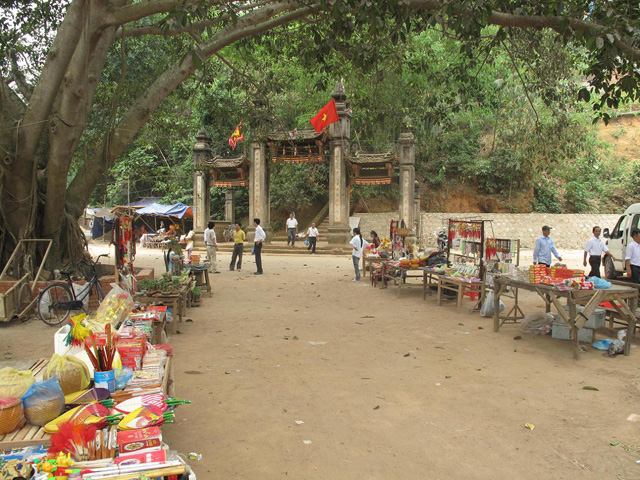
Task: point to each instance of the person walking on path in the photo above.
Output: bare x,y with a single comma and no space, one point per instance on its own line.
312,234
292,227
257,245
632,258
544,248
211,244
595,248
238,247
359,244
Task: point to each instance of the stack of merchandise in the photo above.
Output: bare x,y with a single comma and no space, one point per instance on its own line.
537,273
564,272
152,371
131,347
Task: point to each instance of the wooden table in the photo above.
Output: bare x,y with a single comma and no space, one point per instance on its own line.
176,301
369,260
429,279
29,434
458,286
623,299
34,435
201,276
402,274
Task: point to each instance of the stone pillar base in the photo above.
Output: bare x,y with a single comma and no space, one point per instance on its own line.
338,236
250,234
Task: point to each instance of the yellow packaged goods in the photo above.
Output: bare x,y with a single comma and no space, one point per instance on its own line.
11,415
72,373
113,309
13,383
43,402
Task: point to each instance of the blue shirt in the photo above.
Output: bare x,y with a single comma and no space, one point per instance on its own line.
543,250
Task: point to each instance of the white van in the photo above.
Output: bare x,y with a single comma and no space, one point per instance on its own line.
618,239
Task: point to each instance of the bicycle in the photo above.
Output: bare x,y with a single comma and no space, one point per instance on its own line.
58,299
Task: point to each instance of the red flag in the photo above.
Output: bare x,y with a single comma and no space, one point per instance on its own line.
325,117
236,136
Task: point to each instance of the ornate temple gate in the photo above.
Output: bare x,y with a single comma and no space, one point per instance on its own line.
332,145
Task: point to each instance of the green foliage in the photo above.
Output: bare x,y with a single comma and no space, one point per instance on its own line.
546,198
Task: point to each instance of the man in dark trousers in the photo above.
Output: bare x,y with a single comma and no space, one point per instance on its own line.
257,245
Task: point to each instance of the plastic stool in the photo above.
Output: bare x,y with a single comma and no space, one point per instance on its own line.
473,294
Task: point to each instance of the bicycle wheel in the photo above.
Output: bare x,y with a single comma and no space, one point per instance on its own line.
50,309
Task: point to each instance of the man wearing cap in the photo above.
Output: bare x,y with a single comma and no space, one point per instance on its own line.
544,248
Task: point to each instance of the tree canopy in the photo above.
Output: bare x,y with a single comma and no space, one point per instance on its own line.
80,79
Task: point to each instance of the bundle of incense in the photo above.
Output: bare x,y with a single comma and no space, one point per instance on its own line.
101,356
160,472
149,469
104,444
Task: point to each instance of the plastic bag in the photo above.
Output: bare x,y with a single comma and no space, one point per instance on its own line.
599,283
72,373
115,307
43,402
14,383
123,377
537,323
487,308
79,291
602,344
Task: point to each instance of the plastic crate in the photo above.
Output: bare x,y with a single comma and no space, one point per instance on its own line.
560,330
597,318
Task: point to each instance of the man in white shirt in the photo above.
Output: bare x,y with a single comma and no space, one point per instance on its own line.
292,227
257,245
312,234
632,258
595,248
211,244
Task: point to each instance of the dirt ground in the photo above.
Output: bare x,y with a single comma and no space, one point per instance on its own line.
301,373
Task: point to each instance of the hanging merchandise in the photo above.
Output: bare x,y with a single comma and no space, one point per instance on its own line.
123,239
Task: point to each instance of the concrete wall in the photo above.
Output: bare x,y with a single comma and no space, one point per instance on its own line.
570,231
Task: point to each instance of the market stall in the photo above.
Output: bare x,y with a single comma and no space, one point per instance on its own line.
575,292
95,408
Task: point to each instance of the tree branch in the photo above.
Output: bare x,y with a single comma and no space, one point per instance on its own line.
556,23
24,87
53,72
253,23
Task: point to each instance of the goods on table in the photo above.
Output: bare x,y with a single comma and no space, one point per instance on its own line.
139,441
112,310
14,383
72,373
92,413
43,402
11,415
131,347
537,273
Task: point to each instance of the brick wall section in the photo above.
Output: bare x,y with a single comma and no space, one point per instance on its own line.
570,231
105,280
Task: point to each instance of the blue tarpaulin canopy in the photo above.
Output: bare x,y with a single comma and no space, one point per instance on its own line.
178,210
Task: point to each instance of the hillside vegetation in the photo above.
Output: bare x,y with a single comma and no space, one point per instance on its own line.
498,123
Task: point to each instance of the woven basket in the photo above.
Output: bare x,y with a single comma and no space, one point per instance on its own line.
403,232
11,415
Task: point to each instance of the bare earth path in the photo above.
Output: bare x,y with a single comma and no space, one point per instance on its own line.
387,388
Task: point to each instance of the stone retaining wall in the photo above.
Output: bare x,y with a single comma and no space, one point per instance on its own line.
570,231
